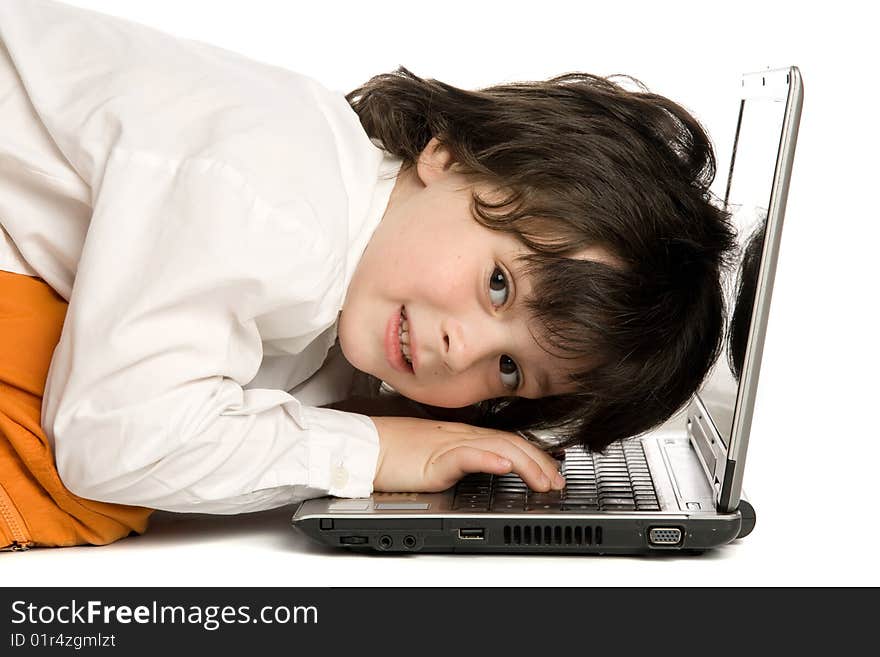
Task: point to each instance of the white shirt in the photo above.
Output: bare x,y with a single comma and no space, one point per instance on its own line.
203,215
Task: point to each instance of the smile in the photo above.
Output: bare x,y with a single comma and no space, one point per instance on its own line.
403,336
399,348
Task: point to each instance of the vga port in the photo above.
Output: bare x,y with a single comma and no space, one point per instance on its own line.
664,536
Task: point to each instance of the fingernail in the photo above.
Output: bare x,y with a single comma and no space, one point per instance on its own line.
560,481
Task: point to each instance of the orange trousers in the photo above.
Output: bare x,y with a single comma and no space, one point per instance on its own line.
35,507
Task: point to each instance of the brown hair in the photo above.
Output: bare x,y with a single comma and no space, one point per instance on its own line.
581,161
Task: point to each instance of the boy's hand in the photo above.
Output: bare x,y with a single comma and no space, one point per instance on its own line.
418,455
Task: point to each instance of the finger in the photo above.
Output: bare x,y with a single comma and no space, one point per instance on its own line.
530,470
548,464
464,459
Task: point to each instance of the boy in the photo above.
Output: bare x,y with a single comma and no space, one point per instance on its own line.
235,241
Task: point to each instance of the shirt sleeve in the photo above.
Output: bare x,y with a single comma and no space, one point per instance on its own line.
145,400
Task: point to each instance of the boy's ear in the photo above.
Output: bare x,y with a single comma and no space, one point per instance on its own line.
435,162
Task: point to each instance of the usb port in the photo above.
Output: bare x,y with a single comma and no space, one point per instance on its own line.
471,534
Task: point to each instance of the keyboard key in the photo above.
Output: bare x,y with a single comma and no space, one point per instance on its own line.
580,480
502,492
510,506
578,507
471,506
615,500
581,499
466,490
548,497
580,490
468,499
543,506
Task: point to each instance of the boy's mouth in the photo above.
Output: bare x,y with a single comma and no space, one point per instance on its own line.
403,336
398,343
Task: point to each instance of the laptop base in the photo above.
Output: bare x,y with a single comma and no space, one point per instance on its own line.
519,534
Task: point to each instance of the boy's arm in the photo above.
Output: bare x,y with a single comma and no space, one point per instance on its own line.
146,400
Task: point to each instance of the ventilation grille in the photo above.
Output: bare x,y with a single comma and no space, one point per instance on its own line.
552,535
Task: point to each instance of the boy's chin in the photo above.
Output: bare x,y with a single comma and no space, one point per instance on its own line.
355,357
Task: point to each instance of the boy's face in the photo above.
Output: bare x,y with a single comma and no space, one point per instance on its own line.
461,290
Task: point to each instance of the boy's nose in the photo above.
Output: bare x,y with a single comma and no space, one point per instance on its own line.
468,342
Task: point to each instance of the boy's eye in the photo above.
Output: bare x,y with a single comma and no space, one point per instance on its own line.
509,372
498,287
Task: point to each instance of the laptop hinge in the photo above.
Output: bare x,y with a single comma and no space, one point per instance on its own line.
709,447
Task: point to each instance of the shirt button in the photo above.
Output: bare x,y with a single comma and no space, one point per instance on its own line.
339,477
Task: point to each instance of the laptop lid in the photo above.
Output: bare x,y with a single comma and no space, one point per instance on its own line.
720,415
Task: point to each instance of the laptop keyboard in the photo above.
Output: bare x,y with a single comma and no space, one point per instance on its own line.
619,480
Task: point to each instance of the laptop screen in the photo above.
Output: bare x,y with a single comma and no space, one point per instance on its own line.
747,198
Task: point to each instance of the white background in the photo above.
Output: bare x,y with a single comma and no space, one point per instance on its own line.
814,446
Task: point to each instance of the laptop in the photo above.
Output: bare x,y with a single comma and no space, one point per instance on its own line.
675,489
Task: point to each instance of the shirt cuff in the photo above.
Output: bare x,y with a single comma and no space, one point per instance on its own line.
343,451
